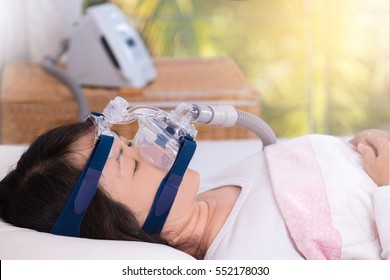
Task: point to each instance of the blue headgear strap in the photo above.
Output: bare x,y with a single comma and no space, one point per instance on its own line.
168,188
69,221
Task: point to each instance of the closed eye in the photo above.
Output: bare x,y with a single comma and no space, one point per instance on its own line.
120,154
135,165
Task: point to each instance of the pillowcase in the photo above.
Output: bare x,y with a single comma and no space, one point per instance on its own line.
20,244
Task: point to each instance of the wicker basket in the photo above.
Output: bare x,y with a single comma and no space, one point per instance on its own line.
33,102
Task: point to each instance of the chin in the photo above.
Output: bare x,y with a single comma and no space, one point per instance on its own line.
190,183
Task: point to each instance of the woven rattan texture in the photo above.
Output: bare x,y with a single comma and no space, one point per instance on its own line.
33,101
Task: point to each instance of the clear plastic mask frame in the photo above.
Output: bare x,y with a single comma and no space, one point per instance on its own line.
158,137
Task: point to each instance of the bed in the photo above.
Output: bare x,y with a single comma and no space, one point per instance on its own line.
19,243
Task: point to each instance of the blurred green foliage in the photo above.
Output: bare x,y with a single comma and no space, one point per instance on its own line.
321,66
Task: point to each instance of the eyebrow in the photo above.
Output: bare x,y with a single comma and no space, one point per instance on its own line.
120,152
118,159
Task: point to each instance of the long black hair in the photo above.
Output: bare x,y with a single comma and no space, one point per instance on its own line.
34,193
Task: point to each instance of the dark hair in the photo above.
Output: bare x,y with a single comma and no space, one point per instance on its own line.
34,193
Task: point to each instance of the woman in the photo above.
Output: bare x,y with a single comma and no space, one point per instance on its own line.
216,223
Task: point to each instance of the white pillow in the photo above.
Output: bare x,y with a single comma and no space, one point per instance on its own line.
20,244
9,155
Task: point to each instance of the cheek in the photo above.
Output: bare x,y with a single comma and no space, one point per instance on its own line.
143,190
147,182
115,188
113,180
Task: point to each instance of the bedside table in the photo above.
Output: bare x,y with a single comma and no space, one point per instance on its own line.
33,101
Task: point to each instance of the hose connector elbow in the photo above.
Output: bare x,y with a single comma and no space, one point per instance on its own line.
221,115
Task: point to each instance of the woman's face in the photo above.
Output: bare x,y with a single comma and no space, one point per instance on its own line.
128,179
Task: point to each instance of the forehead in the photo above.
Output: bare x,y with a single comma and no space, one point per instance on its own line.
85,145
86,142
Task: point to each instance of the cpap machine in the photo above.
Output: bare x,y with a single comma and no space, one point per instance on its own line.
103,50
106,50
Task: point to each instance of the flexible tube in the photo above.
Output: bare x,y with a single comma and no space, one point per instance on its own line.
228,116
257,126
49,64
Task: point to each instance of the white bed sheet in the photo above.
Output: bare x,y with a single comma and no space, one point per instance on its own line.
17,243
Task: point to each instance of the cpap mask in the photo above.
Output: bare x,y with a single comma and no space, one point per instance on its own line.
165,140
160,133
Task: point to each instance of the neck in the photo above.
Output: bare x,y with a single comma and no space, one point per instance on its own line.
195,232
192,233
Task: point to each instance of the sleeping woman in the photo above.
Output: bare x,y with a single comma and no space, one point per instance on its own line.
312,197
